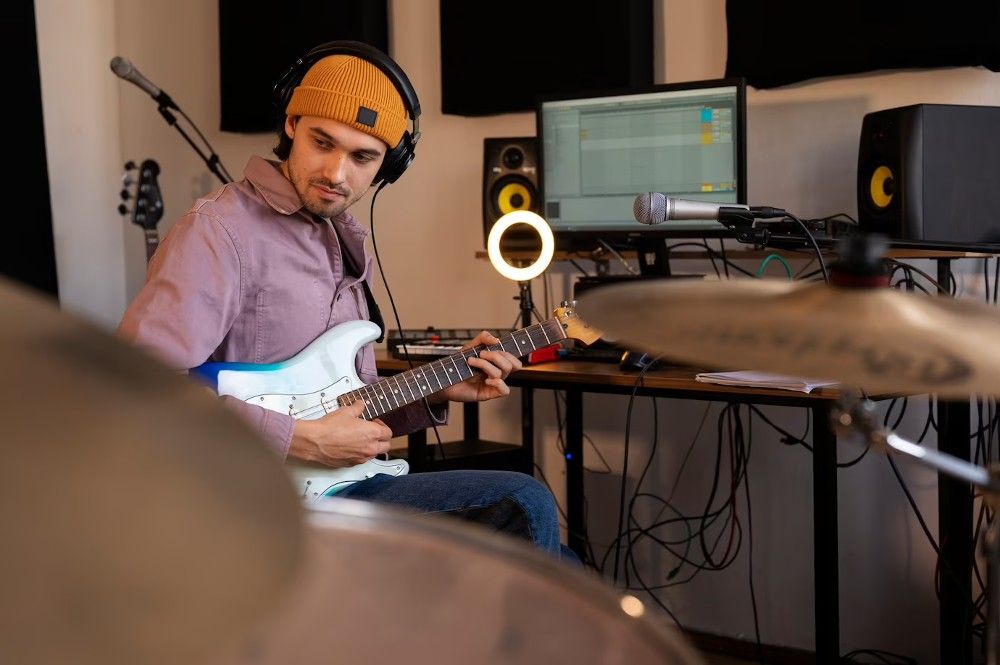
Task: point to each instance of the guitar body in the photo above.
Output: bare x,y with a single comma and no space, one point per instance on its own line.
307,386
321,378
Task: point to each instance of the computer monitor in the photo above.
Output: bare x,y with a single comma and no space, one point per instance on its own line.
597,152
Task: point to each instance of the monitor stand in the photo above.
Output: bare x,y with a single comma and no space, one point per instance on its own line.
654,259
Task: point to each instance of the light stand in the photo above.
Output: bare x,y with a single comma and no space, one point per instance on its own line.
854,416
526,304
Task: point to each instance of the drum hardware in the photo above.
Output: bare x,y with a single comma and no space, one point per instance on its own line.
143,522
854,417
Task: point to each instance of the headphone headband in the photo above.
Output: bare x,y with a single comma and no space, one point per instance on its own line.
399,156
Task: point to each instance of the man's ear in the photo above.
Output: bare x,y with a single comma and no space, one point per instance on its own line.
290,122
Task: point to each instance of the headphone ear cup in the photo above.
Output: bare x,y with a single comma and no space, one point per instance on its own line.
396,160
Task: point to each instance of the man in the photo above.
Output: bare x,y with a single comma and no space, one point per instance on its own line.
259,268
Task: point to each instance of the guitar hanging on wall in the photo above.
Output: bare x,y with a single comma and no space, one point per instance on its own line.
139,184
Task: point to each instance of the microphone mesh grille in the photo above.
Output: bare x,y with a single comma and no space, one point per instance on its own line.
650,208
640,209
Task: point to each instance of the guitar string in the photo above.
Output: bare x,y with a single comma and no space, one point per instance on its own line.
438,370
414,386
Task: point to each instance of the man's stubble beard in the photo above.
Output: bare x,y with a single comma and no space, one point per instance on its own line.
318,208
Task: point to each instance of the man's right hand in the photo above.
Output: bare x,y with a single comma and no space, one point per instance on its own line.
339,439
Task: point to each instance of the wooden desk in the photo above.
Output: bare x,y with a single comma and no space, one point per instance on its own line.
578,377
901,253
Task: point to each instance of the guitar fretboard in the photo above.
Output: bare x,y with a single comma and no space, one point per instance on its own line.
407,387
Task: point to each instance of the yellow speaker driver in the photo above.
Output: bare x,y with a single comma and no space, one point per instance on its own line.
882,186
514,196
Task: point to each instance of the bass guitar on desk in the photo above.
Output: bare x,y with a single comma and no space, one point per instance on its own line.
322,378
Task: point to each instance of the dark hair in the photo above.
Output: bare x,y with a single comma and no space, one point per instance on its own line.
284,147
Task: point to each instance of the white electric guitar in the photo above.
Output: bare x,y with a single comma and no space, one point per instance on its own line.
322,378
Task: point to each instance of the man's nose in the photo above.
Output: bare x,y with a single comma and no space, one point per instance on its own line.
335,167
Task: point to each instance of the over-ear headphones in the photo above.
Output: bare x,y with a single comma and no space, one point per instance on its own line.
398,158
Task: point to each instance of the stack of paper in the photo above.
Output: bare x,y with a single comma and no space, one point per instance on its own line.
763,380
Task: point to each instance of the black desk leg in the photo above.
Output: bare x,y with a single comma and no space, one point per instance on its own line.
955,529
954,521
528,428
826,569
576,520
416,450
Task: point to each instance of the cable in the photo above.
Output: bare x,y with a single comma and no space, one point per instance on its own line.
214,158
579,267
711,258
779,259
746,490
722,251
621,500
812,240
711,252
934,282
395,313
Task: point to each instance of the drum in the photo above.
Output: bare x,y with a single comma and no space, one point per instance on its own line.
381,585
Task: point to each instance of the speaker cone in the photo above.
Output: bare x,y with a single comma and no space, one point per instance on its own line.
512,193
882,186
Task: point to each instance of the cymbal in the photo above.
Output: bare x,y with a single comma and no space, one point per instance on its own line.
142,522
384,585
880,340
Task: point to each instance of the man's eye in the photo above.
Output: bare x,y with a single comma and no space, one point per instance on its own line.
322,145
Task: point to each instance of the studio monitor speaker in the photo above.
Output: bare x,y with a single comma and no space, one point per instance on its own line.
929,174
510,182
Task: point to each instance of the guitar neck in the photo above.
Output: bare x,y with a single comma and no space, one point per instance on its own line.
152,242
407,387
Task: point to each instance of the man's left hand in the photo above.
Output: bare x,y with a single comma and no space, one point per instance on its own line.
488,383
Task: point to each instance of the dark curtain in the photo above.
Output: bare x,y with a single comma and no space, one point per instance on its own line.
776,43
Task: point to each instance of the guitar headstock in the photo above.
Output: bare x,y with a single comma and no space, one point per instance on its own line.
575,327
139,184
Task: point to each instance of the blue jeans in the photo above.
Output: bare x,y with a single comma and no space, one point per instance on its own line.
506,501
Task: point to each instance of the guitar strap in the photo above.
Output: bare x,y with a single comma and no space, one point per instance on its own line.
350,267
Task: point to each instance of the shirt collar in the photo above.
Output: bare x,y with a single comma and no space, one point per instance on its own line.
279,193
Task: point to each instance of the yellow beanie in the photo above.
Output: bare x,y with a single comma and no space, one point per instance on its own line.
352,91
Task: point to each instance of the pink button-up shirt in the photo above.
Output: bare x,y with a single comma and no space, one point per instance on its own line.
249,275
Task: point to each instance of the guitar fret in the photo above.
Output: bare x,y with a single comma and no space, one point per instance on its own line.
383,405
391,393
406,382
368,405
434,370
457,369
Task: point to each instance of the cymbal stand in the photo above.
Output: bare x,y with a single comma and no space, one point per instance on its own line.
855,416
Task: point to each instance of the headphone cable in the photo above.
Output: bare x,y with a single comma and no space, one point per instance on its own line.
395,314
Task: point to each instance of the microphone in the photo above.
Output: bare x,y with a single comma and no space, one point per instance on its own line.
124,68
654,208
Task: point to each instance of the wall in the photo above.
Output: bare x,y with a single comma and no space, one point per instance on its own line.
80,104
802,147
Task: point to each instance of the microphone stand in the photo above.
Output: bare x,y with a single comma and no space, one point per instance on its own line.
212,161
741,222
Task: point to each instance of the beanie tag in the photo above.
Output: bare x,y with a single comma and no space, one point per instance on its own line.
366,116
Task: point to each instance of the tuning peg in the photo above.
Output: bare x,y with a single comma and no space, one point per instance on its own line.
125,195
129,165
122,209
140,217
141,203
